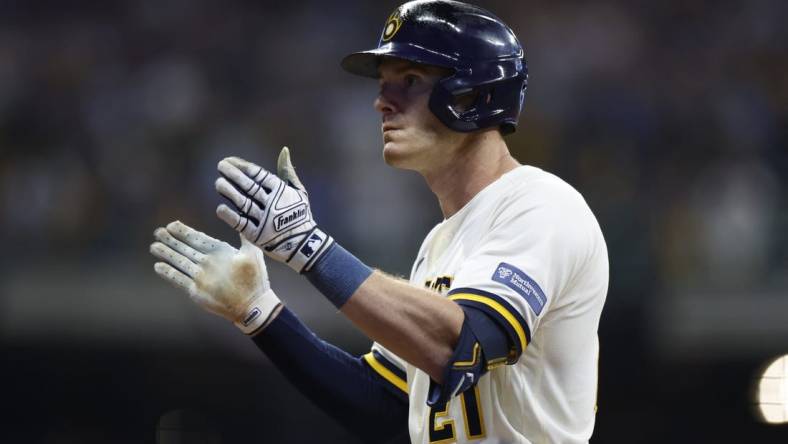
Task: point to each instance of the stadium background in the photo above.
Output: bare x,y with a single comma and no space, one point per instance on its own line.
670,118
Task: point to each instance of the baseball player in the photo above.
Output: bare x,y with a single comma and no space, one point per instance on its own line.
494,337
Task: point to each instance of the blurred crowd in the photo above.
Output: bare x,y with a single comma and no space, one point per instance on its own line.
670,118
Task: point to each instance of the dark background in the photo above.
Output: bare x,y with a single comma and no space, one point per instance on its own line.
669,117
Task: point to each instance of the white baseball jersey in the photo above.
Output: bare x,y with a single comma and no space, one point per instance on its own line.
529,251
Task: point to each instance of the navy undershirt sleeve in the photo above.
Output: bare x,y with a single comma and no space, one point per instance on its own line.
342,385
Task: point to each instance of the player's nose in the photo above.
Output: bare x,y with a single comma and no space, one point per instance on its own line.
384,102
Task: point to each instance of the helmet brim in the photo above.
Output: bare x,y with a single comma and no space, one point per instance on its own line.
366,63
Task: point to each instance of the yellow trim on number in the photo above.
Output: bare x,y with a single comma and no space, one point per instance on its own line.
478,398
447,424
500,309
386,373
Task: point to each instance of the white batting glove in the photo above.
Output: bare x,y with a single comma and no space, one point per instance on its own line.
218,277
271,211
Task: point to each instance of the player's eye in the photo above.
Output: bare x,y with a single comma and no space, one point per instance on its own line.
411,80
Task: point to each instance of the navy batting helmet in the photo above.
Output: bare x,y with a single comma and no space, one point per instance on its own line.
484,53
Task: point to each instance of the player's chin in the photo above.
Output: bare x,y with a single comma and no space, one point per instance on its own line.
395,154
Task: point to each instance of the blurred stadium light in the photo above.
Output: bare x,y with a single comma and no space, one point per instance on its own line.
772,392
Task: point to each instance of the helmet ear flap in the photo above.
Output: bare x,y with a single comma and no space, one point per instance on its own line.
467,108
455,104
465,101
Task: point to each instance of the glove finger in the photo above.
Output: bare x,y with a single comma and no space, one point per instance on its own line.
241,201
257,173
243,182
193,238
237,222
286,171
163,235
174,277
230,217
175,259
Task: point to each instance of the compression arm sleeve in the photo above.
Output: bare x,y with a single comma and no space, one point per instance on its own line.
343,386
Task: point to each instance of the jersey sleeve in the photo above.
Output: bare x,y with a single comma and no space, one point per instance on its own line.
518,270
390,367
339,383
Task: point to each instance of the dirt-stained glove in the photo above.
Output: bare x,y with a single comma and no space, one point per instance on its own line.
224,280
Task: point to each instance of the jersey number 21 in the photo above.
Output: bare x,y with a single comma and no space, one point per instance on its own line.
444,432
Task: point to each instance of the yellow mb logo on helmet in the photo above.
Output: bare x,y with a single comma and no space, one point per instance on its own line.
392,26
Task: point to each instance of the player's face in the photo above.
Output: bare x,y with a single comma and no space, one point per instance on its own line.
413,138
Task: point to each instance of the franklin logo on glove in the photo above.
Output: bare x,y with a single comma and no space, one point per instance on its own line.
290,218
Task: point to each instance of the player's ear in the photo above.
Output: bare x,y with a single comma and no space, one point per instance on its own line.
286,171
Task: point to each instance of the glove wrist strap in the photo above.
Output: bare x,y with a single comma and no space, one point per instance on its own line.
258,314
312,246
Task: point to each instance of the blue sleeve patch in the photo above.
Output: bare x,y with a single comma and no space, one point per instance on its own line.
523,285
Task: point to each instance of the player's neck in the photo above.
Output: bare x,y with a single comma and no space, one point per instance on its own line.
470,170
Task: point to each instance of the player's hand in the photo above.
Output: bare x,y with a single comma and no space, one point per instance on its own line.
271,210
224,280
